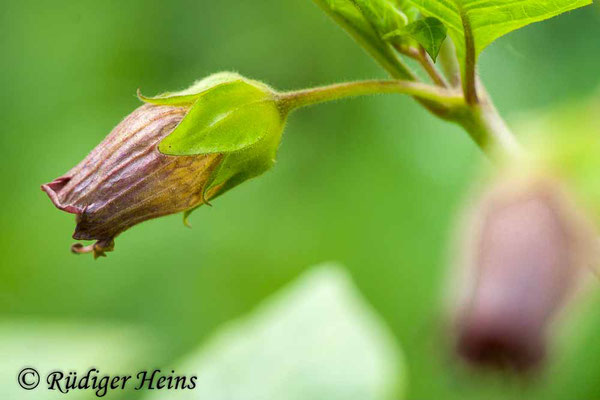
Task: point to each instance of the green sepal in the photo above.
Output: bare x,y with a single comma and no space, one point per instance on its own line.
188,96
186,216
240,166
228,117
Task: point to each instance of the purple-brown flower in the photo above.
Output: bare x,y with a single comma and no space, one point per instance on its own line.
126,180
529,246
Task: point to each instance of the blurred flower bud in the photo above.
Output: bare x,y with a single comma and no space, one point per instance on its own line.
527,248
173,154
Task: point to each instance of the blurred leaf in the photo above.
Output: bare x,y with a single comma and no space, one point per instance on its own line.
66,347
565,142
226,118
491,19
317,340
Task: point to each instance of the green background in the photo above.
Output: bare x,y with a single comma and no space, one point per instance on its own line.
374,183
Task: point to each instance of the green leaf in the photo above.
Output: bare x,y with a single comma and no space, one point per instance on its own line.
317,339
383,15
491,19
226,118
390,22
346,14
428,32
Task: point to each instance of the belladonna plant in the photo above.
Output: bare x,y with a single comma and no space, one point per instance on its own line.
181,150
176,152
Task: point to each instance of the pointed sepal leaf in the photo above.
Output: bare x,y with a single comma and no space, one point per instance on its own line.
186,217
240,166
237,119
188,96
226,118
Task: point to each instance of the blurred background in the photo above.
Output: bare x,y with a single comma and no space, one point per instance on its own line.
372,183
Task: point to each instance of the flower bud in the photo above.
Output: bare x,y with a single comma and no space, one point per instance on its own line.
171,155
525,255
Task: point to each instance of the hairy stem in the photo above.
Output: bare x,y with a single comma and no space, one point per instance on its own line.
421,56
470,88
483,123
430,68
301,98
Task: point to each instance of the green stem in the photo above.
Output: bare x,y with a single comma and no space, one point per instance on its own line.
470,88
302,98
421,56
429,67
489,131
481,120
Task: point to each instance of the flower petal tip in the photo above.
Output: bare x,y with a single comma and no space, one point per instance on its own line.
53,188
